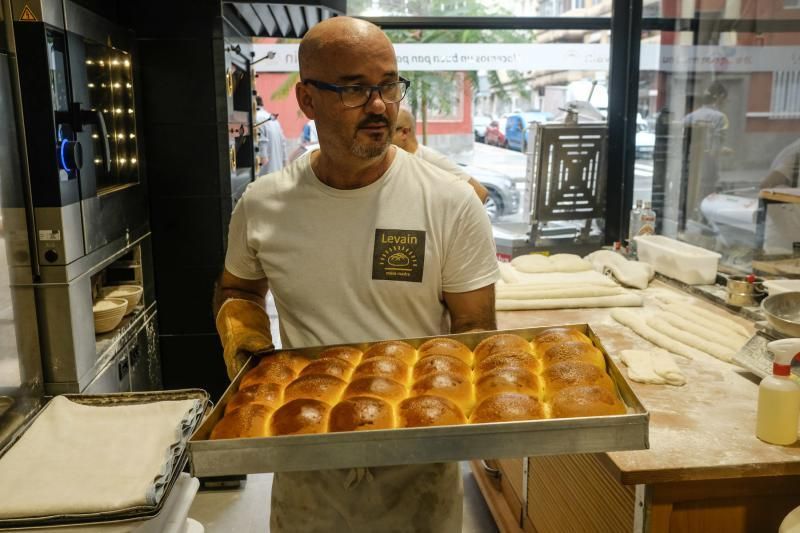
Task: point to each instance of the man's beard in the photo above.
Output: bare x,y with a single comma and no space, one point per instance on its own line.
370,150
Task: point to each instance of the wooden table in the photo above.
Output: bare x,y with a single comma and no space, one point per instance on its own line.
705,469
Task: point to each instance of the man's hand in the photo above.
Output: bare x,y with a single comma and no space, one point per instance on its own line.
471,311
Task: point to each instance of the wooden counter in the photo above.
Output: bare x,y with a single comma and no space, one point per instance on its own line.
704,465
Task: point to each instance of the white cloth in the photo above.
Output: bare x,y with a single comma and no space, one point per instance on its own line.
540,264
629,273
358,265
656,367
77,459
442,161
328,257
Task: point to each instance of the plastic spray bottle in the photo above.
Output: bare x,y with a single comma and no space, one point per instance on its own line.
779,396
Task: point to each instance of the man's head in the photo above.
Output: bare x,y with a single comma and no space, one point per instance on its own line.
259,101
715,94
405,131
343,51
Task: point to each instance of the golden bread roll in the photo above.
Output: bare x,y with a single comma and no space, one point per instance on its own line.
251,420
445,346
585,401
574,351
300,416
508,379
507,407
268,370
451,386
423,411
502,342
394,349
345,353
360,413
517,359
296,362
268,394
321,387
441,363
571,373
386,367
377,387
550,337
330,366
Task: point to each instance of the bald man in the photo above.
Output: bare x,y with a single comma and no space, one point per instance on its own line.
319,234
405,136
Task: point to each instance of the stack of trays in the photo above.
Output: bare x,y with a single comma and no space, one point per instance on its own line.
108,313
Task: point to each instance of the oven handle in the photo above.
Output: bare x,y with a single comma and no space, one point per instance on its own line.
96,117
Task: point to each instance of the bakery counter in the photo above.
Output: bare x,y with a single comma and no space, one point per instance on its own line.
705,468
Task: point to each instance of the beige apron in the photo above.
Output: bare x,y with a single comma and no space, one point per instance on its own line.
413,499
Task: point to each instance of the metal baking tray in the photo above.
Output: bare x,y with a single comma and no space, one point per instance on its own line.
227,457
123,515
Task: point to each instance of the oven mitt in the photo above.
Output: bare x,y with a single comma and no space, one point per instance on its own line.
243,328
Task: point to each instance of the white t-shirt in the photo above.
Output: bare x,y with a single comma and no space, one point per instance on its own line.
365,264
442,161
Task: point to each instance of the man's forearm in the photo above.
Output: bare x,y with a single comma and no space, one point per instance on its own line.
465,325
222,293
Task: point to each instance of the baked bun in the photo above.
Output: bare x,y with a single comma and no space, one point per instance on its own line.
507,407
441,363
376,387
502,342
296,362
518,359
394,349
300,416
451,386
268,370
509,379
251,420
329,366
574,351
550,337
315,387
445,346
268,394
386,367
360,413
590,400
345,353
571,373
423,411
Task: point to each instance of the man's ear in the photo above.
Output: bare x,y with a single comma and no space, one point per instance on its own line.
304,100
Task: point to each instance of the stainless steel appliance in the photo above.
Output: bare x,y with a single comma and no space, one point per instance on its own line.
86,209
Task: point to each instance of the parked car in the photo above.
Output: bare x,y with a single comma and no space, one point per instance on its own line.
645,138
503,194
496,133
517,127
479,125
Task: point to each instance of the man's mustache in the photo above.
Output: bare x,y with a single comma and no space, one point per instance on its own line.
374,121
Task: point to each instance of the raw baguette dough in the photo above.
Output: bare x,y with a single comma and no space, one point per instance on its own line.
729,341
537,263
590,277
628,318
666,367
708,319
510,292
730,324
711,348
620,300
508,273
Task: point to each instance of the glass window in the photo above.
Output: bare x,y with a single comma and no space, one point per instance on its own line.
475,95
722,116
475,8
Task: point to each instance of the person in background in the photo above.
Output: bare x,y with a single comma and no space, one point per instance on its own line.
309,135
317,234
405,136
271,140
784,169
710,116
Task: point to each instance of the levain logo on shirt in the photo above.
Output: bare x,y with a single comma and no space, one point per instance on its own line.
398,255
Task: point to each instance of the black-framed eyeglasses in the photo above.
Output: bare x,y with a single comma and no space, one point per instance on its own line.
359,95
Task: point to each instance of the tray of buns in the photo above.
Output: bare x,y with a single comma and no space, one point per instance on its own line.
494,394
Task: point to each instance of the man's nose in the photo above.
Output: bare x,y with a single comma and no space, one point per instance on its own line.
375,104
